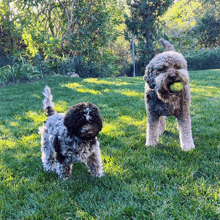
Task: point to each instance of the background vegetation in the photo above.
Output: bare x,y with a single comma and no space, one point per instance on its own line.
93,38
161,182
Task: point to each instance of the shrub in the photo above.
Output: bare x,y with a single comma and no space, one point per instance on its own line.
204,59
139,69
19,71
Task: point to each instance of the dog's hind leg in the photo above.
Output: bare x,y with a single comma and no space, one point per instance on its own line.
152,130
48,159
94,162
162,125
185,132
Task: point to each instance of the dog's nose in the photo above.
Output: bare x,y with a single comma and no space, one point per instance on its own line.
170,77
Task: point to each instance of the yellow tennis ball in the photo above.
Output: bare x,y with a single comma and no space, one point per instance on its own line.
176,87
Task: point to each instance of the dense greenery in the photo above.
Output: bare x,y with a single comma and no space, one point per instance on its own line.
144,25
193,25
204,59
87,37
161,182
83,30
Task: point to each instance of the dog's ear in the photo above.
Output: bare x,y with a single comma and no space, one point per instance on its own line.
96,115
149,77
70,120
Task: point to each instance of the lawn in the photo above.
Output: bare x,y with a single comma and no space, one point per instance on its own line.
161,182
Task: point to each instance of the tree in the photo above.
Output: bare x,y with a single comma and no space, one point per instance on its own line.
75,28
192,25
144,25
10,35
207,28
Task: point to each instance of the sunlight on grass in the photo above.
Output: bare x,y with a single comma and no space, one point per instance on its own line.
14,124
83,215
106,90
61,106
35,117
88,91
131,121
29,139
205,90
4,130
82,89
72,85
100,81
97,81
111,166
130,93
37,96
111,130
8,144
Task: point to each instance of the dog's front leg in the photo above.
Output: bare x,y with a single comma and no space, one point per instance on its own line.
94,162
64,170
185,132
152,130
162,125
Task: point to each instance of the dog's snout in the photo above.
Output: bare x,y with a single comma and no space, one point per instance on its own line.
171,77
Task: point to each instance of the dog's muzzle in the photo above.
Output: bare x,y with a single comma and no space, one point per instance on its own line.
164,81
87,132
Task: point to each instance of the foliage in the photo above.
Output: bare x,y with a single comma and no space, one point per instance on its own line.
204,59
10,34
82,29
144,25
192,25
161,182
19,71
178,22
208,30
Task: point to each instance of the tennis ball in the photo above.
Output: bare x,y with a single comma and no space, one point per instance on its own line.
176,87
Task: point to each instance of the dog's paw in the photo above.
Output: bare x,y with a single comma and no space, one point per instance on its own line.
101,175
151,143
95,174
188,147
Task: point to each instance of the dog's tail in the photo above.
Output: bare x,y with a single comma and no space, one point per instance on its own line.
168,46
48,104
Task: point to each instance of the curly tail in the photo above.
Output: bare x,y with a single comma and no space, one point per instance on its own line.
168,46
48,104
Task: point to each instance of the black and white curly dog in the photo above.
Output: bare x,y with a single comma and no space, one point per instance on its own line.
71,137
163,70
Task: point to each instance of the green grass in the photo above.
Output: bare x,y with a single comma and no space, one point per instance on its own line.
161,182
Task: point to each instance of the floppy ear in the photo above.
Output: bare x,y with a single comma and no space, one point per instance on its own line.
145,77
70,120
149,77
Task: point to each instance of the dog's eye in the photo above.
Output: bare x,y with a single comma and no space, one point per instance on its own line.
177,66
162,69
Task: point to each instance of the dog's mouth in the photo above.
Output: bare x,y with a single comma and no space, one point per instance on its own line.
170,81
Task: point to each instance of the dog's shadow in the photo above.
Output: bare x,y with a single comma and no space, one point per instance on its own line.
169,134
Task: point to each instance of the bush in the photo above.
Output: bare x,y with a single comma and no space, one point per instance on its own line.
204,59
139,69
22,70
